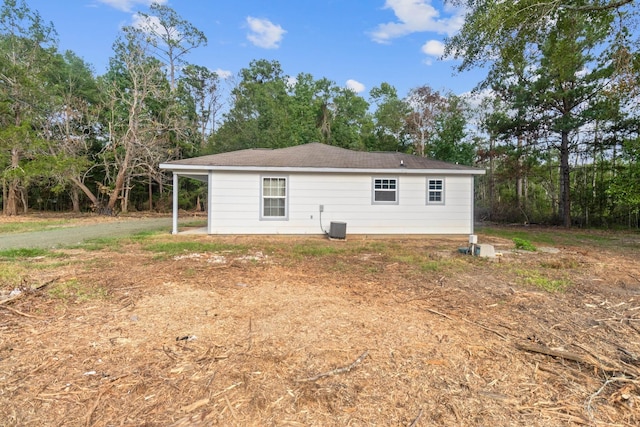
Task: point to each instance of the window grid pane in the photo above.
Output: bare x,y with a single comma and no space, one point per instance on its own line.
385,190
436,191
274,201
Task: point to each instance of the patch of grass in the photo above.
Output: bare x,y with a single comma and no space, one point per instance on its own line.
524,244
545,283
194,223
315,250
555,236
79,292
11,276
27,226
12,254
559,264
538,236
431,266
176,248
99,244
144,235
404,258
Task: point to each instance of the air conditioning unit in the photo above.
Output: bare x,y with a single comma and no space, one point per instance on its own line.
338,230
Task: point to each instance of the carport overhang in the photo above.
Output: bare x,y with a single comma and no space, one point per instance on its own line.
202,175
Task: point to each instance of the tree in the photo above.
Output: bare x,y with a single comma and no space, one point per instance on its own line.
26,46
390,119
558,42
258,115
449,143
170,36
497,29
72,125
136,91
426,104
203,87
309,114
352,124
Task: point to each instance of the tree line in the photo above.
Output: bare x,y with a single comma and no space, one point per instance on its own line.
557,128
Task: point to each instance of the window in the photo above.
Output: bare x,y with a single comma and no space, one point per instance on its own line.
435,191
274,198
385,191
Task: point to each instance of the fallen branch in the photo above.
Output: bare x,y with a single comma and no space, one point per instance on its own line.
336,371
430,310
415,422
567,355
485,328
13,310
34,288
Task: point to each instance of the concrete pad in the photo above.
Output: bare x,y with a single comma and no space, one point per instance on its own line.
487,251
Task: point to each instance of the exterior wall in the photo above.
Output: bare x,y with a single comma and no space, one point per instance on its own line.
234,205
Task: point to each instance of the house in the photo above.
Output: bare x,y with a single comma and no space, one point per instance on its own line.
309,188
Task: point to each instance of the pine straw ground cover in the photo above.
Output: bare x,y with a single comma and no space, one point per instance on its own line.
161,330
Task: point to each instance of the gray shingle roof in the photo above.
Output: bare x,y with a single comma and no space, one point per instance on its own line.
316,155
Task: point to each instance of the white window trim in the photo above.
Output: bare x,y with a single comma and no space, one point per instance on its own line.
286,198
442,192
373,190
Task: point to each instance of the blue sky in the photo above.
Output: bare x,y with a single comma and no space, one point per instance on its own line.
355,43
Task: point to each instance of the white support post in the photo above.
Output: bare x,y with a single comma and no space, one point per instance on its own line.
473,204
209,204
174,229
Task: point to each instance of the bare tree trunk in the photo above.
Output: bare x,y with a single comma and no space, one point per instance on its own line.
12,193
492,181
12,198
86,191
565,182
25,201
75,199
124,203
519,174
5,197
120,181
150,192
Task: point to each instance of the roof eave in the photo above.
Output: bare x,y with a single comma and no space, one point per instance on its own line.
197,169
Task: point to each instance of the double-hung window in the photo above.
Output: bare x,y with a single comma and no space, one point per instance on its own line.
385,191
435,191
274,197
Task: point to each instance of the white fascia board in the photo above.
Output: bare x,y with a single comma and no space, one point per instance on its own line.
193,169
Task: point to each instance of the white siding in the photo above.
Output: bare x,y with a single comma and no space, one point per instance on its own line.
235,205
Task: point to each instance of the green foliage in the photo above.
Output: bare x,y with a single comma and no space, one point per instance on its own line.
11,276
448,143
534,278
26,253
390,117
24,227
524,245
315,250
552,65
270,112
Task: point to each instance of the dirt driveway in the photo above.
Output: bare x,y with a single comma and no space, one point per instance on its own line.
71,235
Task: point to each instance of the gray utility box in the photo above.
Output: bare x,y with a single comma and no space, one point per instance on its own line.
338,230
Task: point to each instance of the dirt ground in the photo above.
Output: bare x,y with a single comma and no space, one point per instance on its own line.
302,331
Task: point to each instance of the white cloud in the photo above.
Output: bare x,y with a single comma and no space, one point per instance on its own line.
128,5
264,33
223,74
355,86
417,16
433,48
